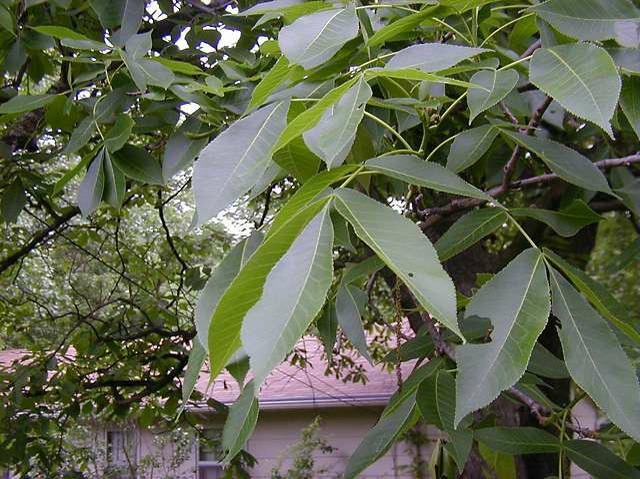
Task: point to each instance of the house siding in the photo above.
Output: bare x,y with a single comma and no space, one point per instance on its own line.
277,430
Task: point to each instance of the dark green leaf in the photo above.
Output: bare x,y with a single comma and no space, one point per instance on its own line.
566,222
236,159
313,39
470,146
517,302
567,163
92,186
414,259
240,423
292,295
590,85
595,358
350,304
14,199
379,439
139,165
600,462
518,440
415,171
589,19
497,85
468,230
432,57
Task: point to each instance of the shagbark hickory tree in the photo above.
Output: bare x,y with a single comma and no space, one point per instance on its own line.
443,162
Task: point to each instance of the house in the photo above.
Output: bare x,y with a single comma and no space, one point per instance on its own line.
291,399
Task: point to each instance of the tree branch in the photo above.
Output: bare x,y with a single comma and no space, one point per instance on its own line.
433,215
41,236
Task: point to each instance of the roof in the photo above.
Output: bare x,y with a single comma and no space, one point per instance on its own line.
292,386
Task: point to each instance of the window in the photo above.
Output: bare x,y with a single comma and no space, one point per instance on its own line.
122,453
209,452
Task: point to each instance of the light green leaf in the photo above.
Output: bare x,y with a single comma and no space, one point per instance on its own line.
61,33
630,102
92,186
567,163
468,230
313,39
432,57
503,465
413,74
138,164
80,136
194,366
246,289
470,146
309,118
14,199
358,271
307,193
332,137
219,281
415,171
566,222
240,423
517,302
598,461
582,78
232,163
180,66
115,184
518,440
499,84
595,358
279,8
271,81
293,294
25,103
350,302
598,295
405,24
116,137
588,19
379,439
414,259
